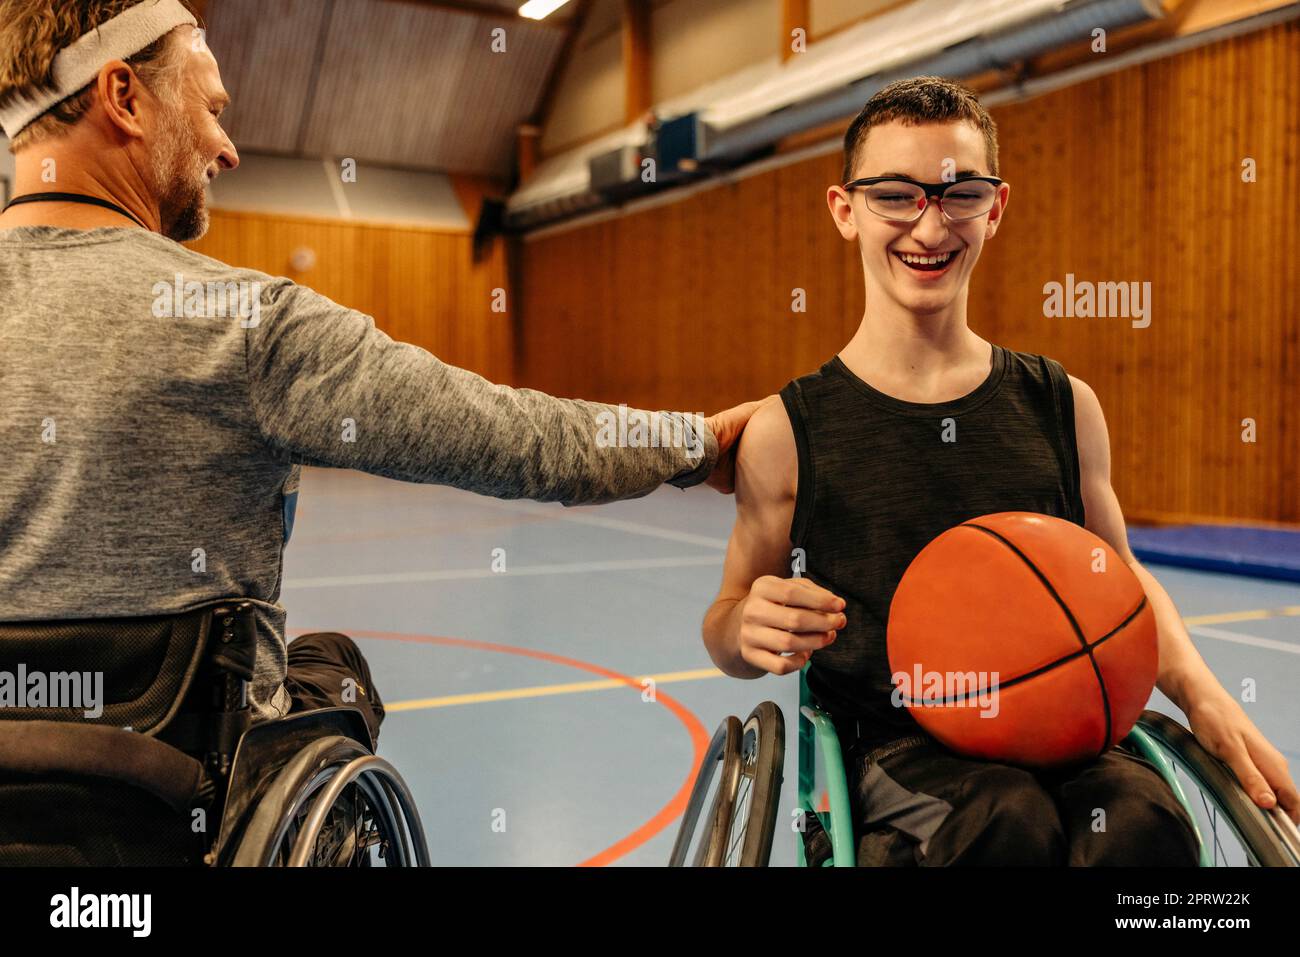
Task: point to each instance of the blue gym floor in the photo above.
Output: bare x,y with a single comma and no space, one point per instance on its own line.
515,704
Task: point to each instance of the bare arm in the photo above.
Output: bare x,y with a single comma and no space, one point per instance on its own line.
1214,715
762,621
1182,669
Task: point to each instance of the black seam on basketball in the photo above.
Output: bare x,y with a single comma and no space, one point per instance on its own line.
1105,744
1069,615
1065,659
1123,624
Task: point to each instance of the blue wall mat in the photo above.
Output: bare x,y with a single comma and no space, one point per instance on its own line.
1234,549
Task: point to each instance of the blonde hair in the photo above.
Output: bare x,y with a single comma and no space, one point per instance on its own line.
33,32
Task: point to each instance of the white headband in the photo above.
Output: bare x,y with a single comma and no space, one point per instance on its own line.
76,65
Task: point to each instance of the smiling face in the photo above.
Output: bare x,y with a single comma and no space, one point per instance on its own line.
189,146
923,266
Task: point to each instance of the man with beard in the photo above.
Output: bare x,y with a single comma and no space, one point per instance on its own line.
152,462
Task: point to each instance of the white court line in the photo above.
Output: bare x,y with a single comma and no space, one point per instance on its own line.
553,511
460,574
563,514
1269,643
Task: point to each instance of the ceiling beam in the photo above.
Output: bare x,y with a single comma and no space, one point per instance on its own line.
794,15
638,94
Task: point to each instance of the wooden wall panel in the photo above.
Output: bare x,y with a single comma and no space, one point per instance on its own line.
1134,176
421,285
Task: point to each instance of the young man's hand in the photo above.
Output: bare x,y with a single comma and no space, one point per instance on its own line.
727,427
1222,727
786,615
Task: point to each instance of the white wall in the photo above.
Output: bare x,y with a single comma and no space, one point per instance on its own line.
589,99
827,15
695,42
270,184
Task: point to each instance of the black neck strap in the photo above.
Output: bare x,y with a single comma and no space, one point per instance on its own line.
73,198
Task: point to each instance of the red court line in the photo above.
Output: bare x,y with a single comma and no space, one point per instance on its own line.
699,737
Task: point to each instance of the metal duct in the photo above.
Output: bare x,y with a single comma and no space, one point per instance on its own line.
1072,23
972,56
1099,66
548,210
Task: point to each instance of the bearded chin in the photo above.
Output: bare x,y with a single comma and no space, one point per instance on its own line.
185,217
182,205
179,182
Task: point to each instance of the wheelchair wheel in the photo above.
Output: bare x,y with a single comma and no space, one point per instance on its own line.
753,816
715,788
1234,831
352,834
334,805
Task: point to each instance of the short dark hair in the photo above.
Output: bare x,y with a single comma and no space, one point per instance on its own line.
921,99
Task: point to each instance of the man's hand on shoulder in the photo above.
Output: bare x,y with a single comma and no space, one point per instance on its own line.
727,427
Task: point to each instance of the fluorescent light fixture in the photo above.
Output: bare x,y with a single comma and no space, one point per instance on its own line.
540,9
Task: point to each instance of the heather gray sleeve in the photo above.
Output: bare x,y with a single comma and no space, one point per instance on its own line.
328,388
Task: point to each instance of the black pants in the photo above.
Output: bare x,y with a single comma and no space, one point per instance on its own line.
326,670
917,803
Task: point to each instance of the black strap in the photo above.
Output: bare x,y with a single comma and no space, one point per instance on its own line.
73,198
852,730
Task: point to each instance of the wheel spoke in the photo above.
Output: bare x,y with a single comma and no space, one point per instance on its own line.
739,815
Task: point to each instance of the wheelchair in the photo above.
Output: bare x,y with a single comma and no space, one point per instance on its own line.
172,771
739,779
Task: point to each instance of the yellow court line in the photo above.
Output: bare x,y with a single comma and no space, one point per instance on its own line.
540,691
668,677
1254,615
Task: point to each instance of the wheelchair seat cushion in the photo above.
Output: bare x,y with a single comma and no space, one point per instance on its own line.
39,748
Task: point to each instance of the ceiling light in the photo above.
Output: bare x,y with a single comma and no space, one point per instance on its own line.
540,9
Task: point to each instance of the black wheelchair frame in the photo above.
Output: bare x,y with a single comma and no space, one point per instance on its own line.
175,748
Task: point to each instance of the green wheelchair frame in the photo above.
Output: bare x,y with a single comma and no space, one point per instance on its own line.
1268,837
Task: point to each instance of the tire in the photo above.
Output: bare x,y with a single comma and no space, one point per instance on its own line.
721,763
762,757
1258,834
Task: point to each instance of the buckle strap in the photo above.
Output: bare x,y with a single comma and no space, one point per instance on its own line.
852,730
894,747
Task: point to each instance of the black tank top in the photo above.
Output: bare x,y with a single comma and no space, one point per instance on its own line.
879,478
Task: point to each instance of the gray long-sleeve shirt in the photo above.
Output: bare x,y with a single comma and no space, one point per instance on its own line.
153,433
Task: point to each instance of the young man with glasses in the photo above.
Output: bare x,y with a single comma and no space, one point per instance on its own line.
857,470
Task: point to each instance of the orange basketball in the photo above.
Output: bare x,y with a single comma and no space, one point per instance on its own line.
1032,621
